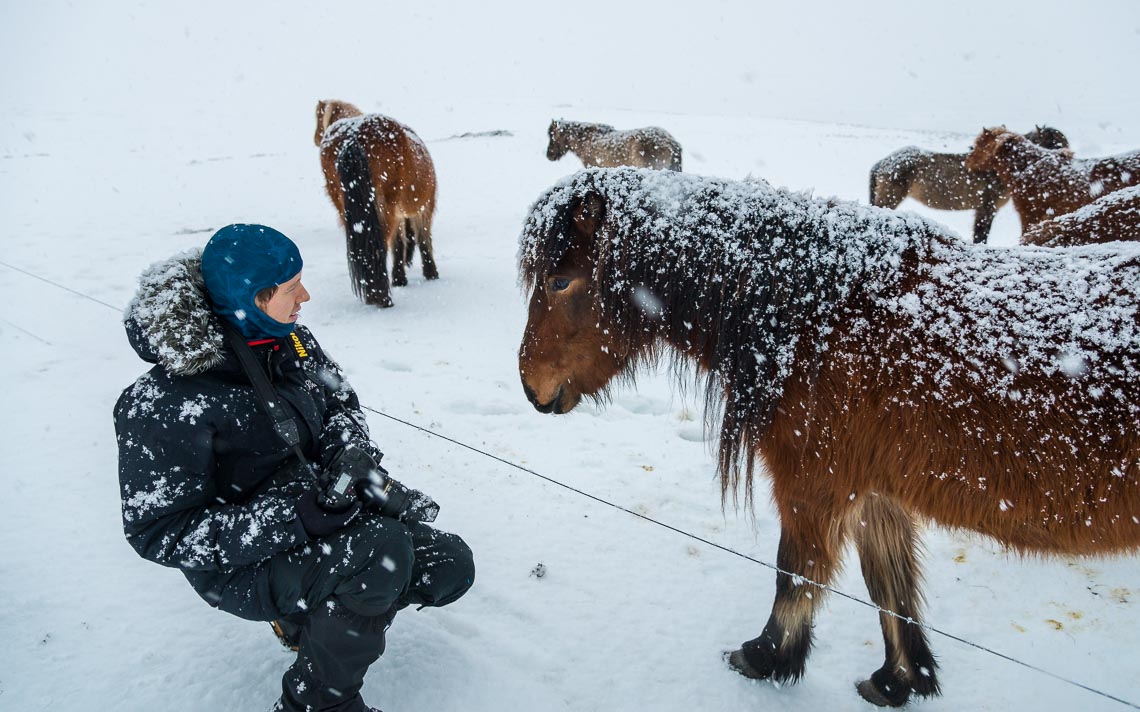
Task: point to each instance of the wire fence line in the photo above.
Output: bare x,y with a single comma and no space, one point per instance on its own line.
798,577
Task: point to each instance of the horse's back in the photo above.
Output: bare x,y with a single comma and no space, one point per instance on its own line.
1115,172
399,162
1115,216
649,147
1000,388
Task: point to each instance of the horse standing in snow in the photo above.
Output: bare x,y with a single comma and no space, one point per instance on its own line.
1115,216
603,145
381,179
882,371
1046,184
942,181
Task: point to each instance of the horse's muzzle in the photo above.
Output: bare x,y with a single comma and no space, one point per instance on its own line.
554,406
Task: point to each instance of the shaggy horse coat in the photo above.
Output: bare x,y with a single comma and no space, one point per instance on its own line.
380,177
1046,184
942,181
603,145
1115,216
883,372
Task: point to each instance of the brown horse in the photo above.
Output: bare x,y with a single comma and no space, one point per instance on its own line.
1115,216
882,371
1046,184
603,145
381,179
942,181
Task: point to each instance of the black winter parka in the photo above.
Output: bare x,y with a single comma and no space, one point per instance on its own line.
206,484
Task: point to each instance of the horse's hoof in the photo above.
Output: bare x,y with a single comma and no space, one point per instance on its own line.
740,664
399,281
892,696
431,274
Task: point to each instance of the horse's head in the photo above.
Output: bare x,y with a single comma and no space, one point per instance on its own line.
557,147
329,112
984,155
1048,137
568,349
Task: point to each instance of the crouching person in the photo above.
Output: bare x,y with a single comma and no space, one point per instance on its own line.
245,461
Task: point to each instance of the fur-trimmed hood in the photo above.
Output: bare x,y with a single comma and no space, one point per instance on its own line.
169,321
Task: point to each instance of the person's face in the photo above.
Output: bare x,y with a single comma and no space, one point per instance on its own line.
286,302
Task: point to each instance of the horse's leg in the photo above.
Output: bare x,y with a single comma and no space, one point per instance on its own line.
984,216
809,551
399,245
410,241
887,542
423,238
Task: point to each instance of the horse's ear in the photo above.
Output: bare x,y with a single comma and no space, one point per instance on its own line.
587,214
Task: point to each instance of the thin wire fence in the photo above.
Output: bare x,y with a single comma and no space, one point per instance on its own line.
798,577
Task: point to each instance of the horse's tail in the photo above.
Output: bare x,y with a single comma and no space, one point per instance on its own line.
365,235
891,178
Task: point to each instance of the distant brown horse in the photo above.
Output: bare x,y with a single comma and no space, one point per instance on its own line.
1115,216
882,371
1046,184
381,179
942,181
603,145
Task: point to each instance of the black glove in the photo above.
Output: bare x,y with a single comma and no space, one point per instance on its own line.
406,504
351,474
320,521
354,473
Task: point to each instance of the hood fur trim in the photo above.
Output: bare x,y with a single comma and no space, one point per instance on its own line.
170,321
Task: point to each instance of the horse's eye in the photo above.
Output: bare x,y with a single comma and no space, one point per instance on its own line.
559,284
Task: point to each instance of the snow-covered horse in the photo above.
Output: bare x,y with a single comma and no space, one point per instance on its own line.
603,145
380,177
882,371
1115,216
942,181
1046,184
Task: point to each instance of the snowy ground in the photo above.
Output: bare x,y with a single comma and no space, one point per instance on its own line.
129,135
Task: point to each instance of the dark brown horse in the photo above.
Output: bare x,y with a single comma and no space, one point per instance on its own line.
1046,184
942,181
603,145
1115,216
381,179
883,372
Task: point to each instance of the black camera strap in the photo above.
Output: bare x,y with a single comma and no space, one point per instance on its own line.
283,424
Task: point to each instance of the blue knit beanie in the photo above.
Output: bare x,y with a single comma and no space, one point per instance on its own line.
237,263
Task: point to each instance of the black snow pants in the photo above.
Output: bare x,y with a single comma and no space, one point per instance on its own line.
343,592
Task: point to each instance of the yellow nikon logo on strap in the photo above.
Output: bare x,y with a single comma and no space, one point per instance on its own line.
298,346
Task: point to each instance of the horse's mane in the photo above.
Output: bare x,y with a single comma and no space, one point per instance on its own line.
751,276
582,129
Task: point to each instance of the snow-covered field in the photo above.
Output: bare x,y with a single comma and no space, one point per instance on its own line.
131,131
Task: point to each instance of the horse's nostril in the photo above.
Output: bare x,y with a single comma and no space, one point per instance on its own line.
530,394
